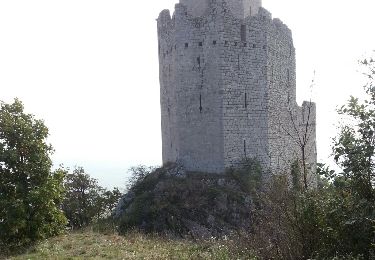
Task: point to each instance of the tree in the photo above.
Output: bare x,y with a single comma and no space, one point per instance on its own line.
354,148
85,201
30,194
111,199
302,132
296,125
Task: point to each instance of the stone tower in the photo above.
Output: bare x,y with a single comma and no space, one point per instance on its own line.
228,88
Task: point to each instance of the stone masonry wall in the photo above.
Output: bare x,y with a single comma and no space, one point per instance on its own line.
228,87
196,85
245,92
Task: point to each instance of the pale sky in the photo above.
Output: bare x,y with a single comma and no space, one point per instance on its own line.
89,68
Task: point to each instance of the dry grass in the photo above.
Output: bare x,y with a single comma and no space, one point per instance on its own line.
90,245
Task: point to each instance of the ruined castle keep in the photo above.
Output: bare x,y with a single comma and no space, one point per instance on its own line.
228,88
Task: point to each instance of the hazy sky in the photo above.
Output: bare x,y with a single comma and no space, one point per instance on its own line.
89,68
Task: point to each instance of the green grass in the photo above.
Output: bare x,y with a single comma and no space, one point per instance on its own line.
90,245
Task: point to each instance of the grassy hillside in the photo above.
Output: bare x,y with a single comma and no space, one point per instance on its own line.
90,245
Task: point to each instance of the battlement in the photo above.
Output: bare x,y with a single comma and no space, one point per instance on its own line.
239,8
164,22
281,26
264,13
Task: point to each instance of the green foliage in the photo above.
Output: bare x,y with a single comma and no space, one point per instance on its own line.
344,221
354,148
30,194
277,232
329,222
85,201
249,175
354,187
337,219
138,175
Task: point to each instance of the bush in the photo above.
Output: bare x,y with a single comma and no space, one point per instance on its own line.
326,223
248,175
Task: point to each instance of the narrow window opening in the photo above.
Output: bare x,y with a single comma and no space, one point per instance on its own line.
214,42
200,44
226,43
202,79
199,61
244,44
245,100
264,71
186,45
278,161
243,32
244,148
254,45
200,103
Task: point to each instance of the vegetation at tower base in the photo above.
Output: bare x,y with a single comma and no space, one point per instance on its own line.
30,193
290,223
171,201
337,220
277,219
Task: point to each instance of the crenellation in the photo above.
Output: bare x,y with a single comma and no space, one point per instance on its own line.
265,14
228,84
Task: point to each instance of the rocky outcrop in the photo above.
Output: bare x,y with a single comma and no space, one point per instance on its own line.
174,202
